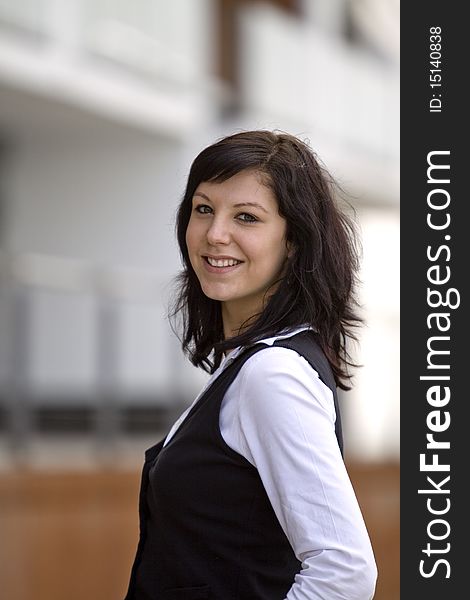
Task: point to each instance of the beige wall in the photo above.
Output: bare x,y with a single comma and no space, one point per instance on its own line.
73,535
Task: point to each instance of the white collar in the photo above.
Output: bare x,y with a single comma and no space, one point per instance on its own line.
285,333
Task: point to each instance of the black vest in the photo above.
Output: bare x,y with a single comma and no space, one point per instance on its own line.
207,528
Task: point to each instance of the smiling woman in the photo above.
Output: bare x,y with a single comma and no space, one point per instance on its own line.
248,497
238,256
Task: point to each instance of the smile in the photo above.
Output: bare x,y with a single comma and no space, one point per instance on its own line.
221,265
222,262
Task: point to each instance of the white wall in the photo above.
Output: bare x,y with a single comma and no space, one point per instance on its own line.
109,202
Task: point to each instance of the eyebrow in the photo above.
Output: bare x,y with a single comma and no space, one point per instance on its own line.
238,205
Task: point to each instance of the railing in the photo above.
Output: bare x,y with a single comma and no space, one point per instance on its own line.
148,63
86,350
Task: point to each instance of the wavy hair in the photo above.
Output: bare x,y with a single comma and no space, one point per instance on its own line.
319,282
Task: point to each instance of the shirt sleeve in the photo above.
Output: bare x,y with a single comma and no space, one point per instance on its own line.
285,426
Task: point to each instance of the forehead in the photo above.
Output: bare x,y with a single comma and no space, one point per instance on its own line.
246,186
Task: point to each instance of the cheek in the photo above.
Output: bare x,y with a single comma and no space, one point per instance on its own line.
268,260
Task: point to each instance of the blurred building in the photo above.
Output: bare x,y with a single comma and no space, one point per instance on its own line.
103,105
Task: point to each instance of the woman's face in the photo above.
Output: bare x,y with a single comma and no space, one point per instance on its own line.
236,241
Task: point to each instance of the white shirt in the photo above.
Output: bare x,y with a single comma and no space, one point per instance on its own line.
281,418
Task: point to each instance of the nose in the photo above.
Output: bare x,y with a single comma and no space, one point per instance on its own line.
218,232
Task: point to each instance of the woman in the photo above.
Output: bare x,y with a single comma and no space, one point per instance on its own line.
248,497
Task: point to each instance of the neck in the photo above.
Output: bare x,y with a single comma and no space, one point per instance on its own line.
234,317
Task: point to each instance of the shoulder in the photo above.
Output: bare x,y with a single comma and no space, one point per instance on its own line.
276,360
279,378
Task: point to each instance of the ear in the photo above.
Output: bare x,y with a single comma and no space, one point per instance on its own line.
290,249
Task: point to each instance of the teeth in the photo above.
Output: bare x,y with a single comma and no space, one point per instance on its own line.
226,262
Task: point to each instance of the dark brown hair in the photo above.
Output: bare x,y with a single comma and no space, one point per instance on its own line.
318,286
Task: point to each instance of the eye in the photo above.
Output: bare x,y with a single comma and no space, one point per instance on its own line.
203,209
247,218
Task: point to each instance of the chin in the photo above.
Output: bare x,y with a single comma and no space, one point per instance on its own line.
219,297
217,294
